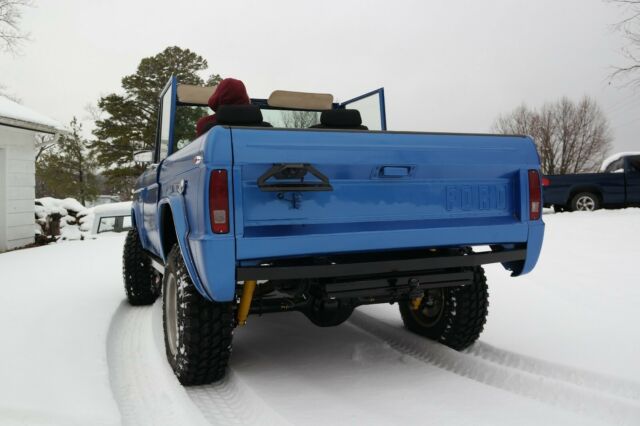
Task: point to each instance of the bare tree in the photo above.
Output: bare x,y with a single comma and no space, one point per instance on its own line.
4,92
570,137
300,119
630,29
10,15
43,143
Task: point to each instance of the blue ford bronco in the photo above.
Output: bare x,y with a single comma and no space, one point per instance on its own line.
299,203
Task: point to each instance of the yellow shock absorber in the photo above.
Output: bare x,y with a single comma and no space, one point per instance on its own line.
415,303
245,301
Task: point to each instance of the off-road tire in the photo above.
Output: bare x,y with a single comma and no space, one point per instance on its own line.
579,198
203,329
141,282
461,318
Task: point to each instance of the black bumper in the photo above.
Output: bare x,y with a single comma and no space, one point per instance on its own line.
401,267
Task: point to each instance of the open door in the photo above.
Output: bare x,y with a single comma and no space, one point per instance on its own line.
166,119
147,187
371,107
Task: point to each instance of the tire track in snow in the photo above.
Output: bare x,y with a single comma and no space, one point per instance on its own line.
147,391
584,378
232,398
544,382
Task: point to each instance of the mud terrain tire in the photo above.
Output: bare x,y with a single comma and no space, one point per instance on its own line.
197,332
454,316
141,282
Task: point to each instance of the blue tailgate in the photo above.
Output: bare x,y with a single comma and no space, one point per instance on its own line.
390,190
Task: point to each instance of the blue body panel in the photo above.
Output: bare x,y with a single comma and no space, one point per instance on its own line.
458,190
391,191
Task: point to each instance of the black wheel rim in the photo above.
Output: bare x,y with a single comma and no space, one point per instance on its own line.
431,308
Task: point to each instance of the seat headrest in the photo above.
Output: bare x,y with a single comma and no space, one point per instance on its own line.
341,118
239,115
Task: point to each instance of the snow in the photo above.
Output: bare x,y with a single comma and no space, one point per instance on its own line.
70,231
86,219
61,206
560,347
69,227
15,111
616,157
48,205
115,209
55,309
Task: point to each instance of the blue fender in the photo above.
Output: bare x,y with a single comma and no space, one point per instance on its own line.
181,225
136,218
534,246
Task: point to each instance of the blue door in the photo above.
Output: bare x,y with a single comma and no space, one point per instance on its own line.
149,187
371,107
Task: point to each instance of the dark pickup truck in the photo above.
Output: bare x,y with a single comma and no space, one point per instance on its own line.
617,186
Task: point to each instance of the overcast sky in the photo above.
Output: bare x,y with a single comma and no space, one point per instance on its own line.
445,65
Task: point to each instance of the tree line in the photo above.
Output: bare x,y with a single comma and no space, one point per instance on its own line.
125,123
571,137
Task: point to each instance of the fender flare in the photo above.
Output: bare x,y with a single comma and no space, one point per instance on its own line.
133,218
181,226
137,219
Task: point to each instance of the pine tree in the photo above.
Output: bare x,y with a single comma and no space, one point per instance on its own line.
68,169
131,117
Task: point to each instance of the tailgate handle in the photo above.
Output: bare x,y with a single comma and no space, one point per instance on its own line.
394,171
291,177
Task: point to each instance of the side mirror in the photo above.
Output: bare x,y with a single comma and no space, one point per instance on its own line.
143,157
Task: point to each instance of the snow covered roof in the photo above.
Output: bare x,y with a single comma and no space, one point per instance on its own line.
616,157
123,208
14,114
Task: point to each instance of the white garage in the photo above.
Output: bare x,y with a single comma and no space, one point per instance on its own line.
18,128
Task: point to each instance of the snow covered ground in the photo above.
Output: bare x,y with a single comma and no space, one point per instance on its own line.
561,346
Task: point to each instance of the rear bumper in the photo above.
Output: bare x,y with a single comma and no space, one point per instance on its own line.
400,267
219,269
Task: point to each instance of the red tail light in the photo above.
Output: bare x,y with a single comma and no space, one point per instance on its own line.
219,202
535,195
545,182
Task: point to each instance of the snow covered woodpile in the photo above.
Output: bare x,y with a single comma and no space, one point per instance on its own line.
56,217
18,127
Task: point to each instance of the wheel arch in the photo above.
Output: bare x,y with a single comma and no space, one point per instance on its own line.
133,219
174,228
594,189
168,234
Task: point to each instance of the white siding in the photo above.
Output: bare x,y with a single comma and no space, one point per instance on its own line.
18,232
19,206
3,197
17,178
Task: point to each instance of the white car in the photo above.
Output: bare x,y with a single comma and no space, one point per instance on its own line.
112,217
